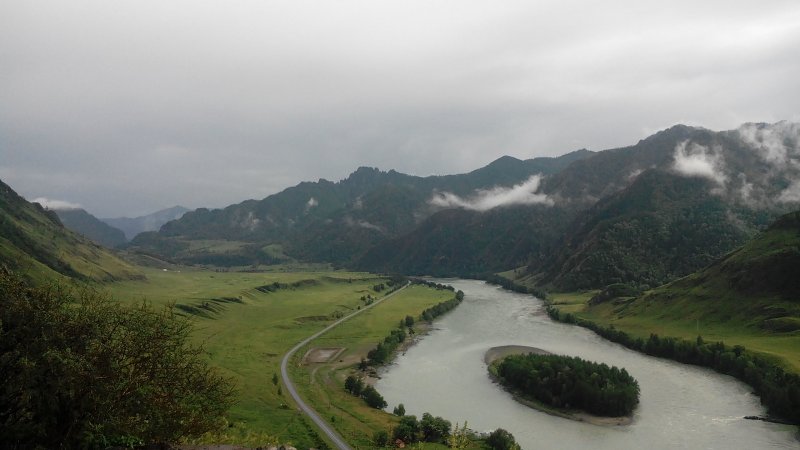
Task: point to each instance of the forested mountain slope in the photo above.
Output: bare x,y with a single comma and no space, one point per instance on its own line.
83,223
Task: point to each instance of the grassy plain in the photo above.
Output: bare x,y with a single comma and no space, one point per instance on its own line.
686,317
246,331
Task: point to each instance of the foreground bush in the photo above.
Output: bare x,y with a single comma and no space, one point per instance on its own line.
79,370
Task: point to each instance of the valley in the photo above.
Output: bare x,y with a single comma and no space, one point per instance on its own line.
352,225
624,238
247,331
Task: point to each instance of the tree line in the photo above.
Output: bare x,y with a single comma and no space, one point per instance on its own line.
440,308
779,391
510,285
441,431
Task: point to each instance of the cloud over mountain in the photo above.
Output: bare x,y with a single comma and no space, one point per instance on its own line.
49,203
694,160
486,199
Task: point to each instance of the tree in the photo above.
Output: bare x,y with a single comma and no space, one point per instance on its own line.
80,370
380,438
373,398
399,410
409,322
459,438
434,429
275,379
354,385
407,430
501,439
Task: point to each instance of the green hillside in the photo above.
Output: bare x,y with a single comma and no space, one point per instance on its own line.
660,228
751,297
35,243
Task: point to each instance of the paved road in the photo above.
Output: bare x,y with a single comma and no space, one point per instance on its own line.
309,411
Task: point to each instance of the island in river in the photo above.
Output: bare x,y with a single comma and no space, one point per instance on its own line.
496,356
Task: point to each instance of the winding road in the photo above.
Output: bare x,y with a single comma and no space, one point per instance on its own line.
309,411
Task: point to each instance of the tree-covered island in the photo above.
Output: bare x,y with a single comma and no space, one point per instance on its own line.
569,383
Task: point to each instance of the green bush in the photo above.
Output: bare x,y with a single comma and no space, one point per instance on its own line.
79,370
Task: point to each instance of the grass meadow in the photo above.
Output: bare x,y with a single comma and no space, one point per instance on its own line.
246,332
686,317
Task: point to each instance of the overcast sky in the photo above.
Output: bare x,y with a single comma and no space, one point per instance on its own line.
126,107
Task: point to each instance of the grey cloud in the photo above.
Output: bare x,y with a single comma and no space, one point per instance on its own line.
128,107
791,194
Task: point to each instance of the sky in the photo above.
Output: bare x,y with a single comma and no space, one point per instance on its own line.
127,107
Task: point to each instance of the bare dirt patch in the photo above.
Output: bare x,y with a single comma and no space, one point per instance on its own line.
322,355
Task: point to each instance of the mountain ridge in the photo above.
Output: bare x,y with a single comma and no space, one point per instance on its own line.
511,212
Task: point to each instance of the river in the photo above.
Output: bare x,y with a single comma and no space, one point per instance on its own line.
681,406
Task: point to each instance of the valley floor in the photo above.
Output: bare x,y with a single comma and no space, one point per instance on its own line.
246,328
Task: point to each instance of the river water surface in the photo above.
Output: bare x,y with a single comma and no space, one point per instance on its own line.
680,406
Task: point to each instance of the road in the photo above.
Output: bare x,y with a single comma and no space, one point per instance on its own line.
309,411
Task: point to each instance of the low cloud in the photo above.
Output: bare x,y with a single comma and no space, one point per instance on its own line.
791,194
311,203
49,203
777,144
363,224
694,160
486,199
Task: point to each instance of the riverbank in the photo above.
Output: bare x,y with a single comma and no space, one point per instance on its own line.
680,406
495,354
771,371
321,384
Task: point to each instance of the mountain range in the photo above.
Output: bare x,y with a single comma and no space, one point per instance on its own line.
150,222
643,214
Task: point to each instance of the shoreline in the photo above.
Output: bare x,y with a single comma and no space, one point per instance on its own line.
496,353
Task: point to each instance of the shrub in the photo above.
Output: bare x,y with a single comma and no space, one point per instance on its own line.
79,370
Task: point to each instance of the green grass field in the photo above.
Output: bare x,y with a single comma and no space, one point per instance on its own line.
246,332
685,317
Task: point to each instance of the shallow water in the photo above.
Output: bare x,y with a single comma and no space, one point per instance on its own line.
680,406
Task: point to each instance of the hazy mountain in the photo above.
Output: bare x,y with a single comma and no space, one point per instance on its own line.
35,243
335,222
644,214
151,222
81,222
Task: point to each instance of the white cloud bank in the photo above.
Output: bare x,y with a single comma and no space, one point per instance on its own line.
694,160
49,203
486,199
